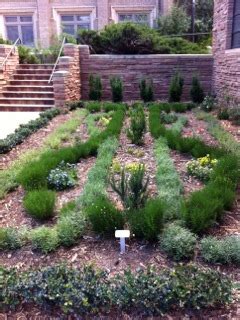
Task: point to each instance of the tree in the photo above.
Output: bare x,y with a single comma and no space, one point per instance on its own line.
177,22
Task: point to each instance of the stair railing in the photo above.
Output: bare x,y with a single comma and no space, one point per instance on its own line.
56,63
10,52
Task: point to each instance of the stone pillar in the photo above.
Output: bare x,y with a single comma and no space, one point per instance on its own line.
44,25
102,13
9,67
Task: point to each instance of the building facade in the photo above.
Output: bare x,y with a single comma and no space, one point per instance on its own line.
37,22
226,48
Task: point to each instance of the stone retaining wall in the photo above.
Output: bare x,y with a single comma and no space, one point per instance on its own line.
7,70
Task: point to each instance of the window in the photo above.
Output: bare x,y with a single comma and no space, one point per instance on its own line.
139,18
72,23
236,25
20,27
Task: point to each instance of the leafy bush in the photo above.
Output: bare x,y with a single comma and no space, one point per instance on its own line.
225,251
117,89
146,90
138,125
9,239
223,114
178,242
147,222
25,130
26,56
176,22
208,103
197,93
168,118
63,177
40,204
70,228
176,88
131,188
104,217
95,88
202,167
44,239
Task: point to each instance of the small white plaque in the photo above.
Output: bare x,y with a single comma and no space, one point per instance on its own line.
122,233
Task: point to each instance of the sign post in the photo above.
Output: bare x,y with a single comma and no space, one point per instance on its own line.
122,234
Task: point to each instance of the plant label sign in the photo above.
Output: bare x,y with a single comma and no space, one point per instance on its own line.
122,234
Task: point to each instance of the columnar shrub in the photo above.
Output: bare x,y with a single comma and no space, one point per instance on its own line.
146,90
197,93
176,88
178,242
40,204
95,88
117,89
137,125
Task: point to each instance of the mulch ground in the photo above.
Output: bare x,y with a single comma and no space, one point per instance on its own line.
105,253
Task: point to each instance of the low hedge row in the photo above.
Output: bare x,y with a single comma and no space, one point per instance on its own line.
204,207
89,291
25,130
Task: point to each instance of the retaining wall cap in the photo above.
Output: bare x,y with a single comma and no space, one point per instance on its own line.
60,73
151,56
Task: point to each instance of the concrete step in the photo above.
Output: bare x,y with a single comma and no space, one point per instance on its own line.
27,94
26,101
20,88
31,77
29,83
34,71
36,66
21,107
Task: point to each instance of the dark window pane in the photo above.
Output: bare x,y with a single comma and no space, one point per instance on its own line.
236,40
237,7
83,26
69,29
67,18
126,17
12,33
11,19
26,19
85,19
27,35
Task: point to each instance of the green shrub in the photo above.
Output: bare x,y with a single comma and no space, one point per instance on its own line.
40,204
225,251
93,106
196,92
131,188
176,88
63,177
70,228
104,217
44,239
146,90
9,239
27,56
223,114
168,118
117,89
180,107
146,223
208,103
137,125
95,88
178,242
234,115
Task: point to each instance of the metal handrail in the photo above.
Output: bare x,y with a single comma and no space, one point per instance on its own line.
10,52
56,63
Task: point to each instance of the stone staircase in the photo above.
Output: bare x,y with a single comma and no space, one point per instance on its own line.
28,89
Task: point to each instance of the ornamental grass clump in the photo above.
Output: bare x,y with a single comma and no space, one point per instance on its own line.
138,125
104,217
44,239
63,177
202,167
40,204
10,239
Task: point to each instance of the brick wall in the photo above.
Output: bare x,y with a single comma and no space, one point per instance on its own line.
226,76
160,68
66,81
10,65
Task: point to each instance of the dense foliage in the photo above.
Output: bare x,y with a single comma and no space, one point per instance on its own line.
95,88
137,124
176,88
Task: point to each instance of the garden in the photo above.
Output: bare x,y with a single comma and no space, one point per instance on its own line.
168,171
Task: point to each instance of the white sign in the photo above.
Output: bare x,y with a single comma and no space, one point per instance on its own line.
122,234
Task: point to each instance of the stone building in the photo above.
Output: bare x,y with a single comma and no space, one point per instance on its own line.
37,22
226,48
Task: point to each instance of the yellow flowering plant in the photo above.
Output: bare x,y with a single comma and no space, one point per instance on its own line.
202,167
